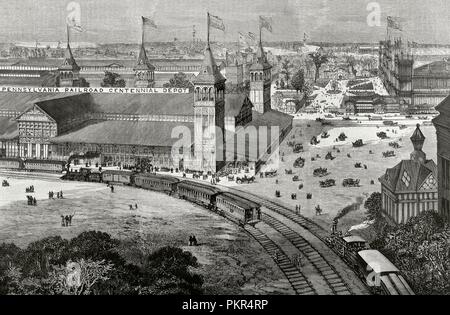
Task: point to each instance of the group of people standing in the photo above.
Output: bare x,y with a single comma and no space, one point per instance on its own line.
135,207
59,195
66,220
193,241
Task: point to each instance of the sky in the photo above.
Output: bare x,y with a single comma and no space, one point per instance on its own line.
114,21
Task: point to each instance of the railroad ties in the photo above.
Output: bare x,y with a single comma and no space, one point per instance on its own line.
298,281
321,265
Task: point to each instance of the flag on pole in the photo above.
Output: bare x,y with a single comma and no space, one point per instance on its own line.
148,22
242,39
216,22
251,36
394,23
265,22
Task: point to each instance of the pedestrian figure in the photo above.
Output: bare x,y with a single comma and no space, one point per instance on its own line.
135,205
61,194
194,240
131,207
112,188
57,195
190,240
63,221
70,219
49,195
67,220
34,202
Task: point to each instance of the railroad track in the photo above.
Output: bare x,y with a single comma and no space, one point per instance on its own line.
298,281
305,223
317,260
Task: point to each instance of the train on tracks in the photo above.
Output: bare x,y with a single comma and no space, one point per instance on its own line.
381,276
230,205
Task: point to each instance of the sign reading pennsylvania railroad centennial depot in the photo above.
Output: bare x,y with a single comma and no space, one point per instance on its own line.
106,90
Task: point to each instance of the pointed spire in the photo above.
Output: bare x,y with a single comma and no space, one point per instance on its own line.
209,72
418,140
142,62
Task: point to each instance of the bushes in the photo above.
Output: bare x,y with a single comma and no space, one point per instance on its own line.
91,261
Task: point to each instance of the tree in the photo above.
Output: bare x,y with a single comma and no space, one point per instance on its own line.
286,70
373,206
298,81
319,58
112,79
179,80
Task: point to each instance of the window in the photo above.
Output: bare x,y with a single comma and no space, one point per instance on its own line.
430,183
445,173
406,179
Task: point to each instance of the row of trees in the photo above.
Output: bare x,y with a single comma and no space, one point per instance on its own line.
420,248
90,264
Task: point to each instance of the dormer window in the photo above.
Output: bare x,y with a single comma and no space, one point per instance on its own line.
406,179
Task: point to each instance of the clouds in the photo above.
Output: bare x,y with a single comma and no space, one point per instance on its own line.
324,20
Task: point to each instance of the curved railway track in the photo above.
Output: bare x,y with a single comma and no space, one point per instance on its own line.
298,281
317,260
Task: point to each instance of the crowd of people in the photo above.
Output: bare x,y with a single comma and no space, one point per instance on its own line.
59,195
67,220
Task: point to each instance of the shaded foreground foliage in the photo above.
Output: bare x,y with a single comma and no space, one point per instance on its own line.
420,248
89,264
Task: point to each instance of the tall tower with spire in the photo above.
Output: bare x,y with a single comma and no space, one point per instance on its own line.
418,140
209,114
144,71
260,80
69,71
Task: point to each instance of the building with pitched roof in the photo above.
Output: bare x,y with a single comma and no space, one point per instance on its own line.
410,187
442,125
260,81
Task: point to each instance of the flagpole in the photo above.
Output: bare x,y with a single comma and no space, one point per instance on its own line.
68,34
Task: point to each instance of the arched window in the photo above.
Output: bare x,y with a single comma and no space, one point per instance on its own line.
210,94
260,76
197,94
204,94
253,76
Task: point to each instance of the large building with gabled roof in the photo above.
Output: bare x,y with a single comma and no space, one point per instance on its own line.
410,187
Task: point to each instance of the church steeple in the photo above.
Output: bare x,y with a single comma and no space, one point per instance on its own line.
418,140
144,71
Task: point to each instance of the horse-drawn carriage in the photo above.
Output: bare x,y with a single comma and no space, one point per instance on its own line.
328,183
350,182
325,135
5,183
320,172
298,148
388,154
329,156
271,173
359,143
296,178
358,165
299,163
288,172
394,145
342,137
230,178
314,141
245,180
382,135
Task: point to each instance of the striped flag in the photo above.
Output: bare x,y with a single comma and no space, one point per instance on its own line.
216,22
242,39
251,36
265,22
148,22
394,23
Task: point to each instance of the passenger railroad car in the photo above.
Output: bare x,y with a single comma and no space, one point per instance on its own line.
11,163
156,182
204,195
117,177
385,278
237,208
44,165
